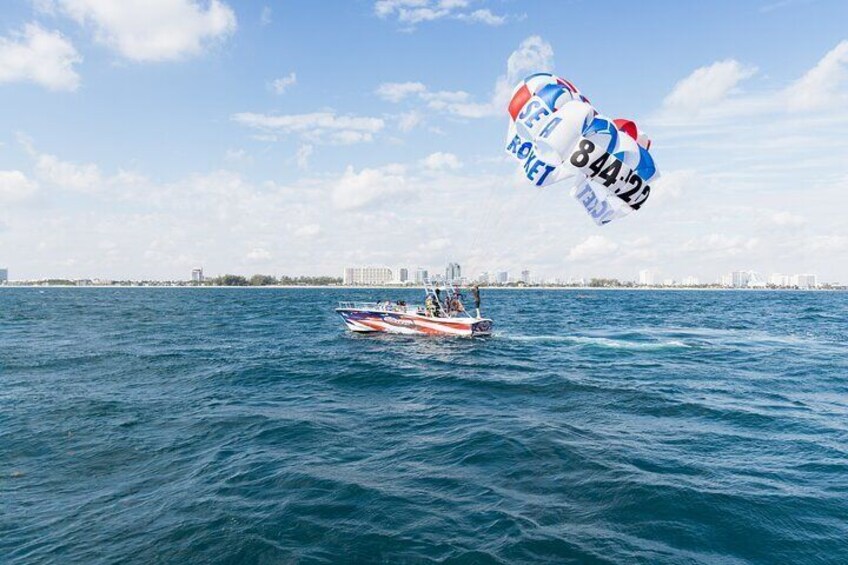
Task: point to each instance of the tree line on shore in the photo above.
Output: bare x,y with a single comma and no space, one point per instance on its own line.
269,280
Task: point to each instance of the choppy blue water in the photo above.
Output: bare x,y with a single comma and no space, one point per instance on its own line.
246,426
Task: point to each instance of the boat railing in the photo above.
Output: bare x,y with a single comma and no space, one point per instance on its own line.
400,308
383,306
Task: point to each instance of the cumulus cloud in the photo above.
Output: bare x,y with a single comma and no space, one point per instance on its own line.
411,12
15,187
440,160
707,86
280,85
397,91
309,230
141,30
483,16
304,152
357,189
533,54
409,120
68,175
265,17
787,219
39,56
712,94
593,247
238,156
721,245
823,85
317,127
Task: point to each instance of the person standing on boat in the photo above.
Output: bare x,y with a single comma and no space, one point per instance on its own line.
430,307
475,292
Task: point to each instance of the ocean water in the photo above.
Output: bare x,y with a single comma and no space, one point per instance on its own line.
247,426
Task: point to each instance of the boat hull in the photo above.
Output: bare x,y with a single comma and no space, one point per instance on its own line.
374,321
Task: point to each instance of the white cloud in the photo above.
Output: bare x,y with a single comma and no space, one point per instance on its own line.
412,12
435,245
397,91
15,187
483,16
39,56
68,175
823,85
721,245
707,86
146,30
238,156
280,85
265,16
440,160
593,247
304,152
533,55
355,190
673,184
258,255
316,127
409,120
309,230
827,243
787,219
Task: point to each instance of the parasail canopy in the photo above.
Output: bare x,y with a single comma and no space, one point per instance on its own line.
556,134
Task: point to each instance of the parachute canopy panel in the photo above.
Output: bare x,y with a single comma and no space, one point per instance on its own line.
556,135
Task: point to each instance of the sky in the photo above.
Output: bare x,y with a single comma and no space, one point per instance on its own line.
143,138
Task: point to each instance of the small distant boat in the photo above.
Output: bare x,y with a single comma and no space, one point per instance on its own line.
436,317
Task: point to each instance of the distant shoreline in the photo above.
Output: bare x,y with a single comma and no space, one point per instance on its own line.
392,288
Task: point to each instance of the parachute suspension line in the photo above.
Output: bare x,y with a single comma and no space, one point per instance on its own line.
496,213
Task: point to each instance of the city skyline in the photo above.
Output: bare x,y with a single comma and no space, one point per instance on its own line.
382,274
242,145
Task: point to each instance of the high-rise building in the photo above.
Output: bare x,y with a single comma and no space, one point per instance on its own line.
421,275
403,275
525,276
453,272
740,279
780,280
367,276
646,277
805,281
197,275
483,278
690,281
755,280
503,277
4,276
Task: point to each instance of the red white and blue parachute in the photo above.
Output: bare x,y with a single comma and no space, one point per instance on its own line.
557,134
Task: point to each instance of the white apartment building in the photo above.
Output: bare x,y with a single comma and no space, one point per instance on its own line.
805,281
646,277
367,276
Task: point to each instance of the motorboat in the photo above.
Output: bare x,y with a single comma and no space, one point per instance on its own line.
441,314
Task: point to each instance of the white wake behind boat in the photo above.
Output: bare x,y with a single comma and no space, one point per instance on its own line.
400,318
